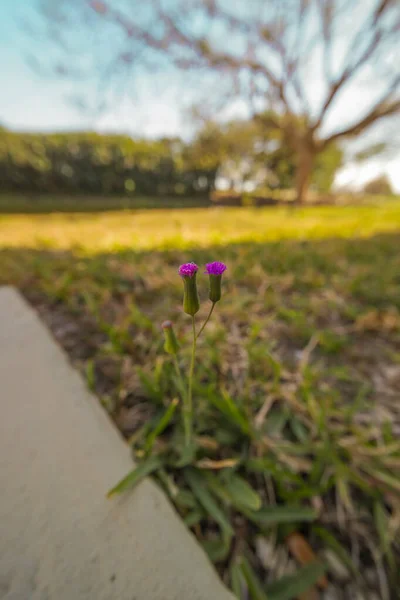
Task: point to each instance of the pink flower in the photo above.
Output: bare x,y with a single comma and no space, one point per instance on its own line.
188,269
215,268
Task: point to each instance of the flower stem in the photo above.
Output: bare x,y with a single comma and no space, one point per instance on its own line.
180,378
188,409
208,318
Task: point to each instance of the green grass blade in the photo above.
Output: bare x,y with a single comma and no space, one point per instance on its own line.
383,477
226,405
142,470
216,550
236,579
292,586
193,517
241,493
255,587
336,547
198,485
161,425
276,515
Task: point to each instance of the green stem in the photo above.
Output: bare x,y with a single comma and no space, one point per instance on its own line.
180,378
208,318
188,414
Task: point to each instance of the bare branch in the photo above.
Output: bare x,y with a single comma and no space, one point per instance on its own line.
385,107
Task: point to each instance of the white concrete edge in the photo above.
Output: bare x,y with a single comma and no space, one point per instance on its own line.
61,539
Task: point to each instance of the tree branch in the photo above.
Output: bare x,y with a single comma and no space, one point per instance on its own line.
381,110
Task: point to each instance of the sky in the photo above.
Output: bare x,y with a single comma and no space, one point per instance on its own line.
33,102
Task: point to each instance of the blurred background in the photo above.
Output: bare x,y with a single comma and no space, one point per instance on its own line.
200,99
136,136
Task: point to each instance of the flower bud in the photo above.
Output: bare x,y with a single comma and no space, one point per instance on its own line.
215,270
191,303
171,343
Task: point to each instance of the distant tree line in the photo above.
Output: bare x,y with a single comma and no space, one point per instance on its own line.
243,155
99,164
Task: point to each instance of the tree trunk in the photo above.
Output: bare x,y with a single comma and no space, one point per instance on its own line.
303,174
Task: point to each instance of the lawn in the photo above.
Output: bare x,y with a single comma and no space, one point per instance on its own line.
305,345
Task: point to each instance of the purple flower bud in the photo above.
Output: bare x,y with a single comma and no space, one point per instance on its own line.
188,269
191,303
215,270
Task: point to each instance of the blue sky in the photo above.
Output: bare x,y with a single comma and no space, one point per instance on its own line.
29,101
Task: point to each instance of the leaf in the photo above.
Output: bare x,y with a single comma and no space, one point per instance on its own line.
236,580
291,586
162,424
140,472
226,405
385,478
273,467
198,485
303,553
193,518
299,430
241,493
253,583
381,524
217,550
275,515
187,455
185,499
207,463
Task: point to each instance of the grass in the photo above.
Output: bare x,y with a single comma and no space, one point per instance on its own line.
195,227
48,203
297,382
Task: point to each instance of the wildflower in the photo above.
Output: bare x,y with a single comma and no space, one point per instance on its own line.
171,343
191,302
215,271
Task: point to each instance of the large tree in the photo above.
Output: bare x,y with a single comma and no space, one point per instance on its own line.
295,58
246,152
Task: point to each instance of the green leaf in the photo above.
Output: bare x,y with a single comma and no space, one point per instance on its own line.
162,424
217,550
241,493
193,517
185,499
383,477
299,430
382,526
198,485
142,470
275,515
273,467
236,578
292,586
225,404
253,583
187,455
276,421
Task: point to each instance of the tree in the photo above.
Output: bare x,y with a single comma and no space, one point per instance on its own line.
243,151
380,185
267,52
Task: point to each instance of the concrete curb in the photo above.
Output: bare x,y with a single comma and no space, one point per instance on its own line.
61,539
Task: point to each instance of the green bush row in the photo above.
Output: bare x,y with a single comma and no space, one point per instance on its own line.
99,164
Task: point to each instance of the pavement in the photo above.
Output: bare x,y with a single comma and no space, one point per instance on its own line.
60,537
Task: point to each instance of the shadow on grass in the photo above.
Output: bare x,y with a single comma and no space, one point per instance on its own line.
363,268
